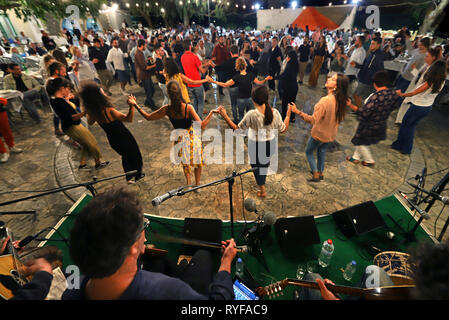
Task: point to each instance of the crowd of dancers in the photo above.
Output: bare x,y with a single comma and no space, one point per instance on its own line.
186,61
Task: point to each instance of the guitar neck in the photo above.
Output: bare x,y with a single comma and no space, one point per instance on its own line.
352,291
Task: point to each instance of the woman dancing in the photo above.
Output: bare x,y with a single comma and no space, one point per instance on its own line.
100,109
328,113
60,91
262,123
182,116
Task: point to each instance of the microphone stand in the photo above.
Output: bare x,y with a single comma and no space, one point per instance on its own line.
230,180
88,185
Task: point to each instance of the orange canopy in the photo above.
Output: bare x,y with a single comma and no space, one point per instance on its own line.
313,18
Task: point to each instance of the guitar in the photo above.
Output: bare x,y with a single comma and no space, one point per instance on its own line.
382,293
11,278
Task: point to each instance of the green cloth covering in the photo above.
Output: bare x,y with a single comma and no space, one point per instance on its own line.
281,264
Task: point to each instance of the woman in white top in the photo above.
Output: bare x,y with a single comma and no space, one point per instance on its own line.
262,124
429,85
431,56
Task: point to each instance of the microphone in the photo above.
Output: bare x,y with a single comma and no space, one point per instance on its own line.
269,219
443,199
423,214
250,205
28,239
159,199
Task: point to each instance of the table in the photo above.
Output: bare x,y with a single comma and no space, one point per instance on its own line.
14,98
395,65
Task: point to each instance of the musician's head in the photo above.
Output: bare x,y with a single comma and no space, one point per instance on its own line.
108,233
431,270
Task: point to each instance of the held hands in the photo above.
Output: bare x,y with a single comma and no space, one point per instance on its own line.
353,63
268,78
209,79
132,100
221,110
399,93
293,108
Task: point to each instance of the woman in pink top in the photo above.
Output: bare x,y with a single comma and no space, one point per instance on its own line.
328,113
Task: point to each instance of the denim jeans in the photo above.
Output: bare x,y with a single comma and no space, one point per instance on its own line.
260,154
321,148
402,84
197,95
28,102
404,142
233,94
244,105
149,92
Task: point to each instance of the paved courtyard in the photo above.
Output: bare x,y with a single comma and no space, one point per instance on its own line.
49,162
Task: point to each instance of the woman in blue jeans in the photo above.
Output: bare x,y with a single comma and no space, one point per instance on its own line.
328,113
428,87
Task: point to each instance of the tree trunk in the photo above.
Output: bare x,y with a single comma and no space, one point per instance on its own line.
434,18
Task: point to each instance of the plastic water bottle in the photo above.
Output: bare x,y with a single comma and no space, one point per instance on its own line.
326,253
350,270
239,268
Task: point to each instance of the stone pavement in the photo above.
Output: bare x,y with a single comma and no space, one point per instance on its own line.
48,162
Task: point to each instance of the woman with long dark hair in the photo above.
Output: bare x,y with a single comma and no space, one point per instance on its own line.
287,80
428,86
100,109
328,113
320,52
60,89
172,72
182,116
262,124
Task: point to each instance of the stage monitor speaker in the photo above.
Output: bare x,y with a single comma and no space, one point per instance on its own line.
359,219
201,229
296,231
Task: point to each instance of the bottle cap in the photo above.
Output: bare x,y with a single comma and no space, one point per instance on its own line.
353,262
329,241
239,259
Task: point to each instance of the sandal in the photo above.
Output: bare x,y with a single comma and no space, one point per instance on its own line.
368,164
351,159
261,195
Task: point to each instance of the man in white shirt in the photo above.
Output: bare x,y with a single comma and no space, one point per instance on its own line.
115,56
358,56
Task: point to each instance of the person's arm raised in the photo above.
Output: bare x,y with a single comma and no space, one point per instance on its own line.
155,115
228,120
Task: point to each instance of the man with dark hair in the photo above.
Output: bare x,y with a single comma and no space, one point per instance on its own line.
357,55
275,62
219,55
108,238
160,54
117,58
372,64
193,69
143,71
98,55
30,87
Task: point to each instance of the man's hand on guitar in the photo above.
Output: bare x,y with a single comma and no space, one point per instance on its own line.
229,253
325,293
34,266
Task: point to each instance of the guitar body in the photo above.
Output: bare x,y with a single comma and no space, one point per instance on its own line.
9,277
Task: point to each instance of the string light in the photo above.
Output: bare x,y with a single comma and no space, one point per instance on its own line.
147,4
127,5
257,6
244,6
294,4
137,5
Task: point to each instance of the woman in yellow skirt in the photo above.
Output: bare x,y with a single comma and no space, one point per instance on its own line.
184,119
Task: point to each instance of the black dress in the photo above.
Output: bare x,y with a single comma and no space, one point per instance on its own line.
123,142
